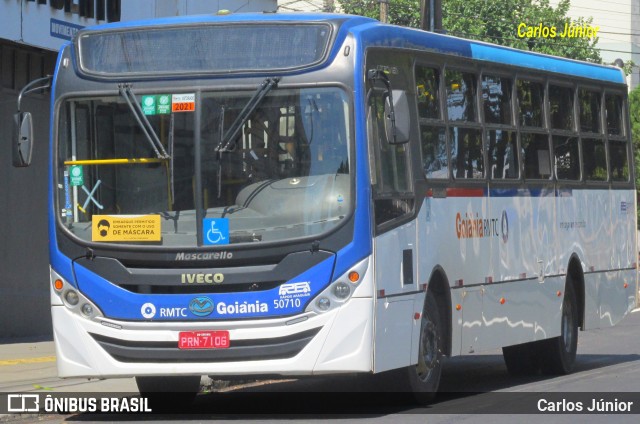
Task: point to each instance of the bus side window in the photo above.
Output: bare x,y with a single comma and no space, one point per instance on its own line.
561,107
389,169
428,94
503,154
619,162
617,145
589,104
595,159
434,151
461,96
535,155
530,101
496,96
466,152
566,155
613,109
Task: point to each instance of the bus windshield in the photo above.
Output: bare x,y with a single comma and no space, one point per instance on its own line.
285,175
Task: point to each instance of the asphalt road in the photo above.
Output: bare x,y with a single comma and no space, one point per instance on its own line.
474,388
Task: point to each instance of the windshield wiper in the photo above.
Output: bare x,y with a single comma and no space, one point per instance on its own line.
226,144
145,125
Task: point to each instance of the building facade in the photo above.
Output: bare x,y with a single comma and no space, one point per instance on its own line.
618,33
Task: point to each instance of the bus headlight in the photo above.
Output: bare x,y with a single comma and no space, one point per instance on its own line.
65,294
323,304
71,297
341,290
87,309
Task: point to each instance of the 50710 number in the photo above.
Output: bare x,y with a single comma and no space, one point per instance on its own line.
286,303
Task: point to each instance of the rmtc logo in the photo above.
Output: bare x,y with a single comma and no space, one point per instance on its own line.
173,312
294,288
148,311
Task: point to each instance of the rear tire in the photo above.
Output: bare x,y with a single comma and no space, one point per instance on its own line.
559,353
424,378
554,356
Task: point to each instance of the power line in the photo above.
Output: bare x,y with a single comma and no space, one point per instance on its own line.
606,11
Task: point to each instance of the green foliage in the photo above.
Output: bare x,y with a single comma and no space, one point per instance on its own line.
634,111
497,22
493,21
401,12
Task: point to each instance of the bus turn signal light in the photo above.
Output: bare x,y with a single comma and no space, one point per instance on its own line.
58,284
354,276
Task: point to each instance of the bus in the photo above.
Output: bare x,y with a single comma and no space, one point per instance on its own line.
313,194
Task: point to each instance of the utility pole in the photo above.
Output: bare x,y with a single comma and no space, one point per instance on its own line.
431,15
384,11
328,6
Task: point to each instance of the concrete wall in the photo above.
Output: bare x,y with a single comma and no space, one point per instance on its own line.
24,269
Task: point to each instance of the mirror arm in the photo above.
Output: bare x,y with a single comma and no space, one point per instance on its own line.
45,83
377,75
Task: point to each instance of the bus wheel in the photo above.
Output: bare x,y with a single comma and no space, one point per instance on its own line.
170,392
560,352
424,377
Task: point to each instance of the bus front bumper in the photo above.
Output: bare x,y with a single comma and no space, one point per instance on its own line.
338,341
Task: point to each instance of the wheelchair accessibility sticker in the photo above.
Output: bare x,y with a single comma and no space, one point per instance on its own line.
216,231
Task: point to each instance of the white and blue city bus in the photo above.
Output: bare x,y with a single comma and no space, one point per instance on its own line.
270,194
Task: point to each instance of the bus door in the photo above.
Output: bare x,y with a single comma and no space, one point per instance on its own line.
393,206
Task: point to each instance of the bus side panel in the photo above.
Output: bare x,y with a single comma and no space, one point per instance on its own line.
609,296
394,311
521,311
434,249
447,240
571,221
520,301
611,264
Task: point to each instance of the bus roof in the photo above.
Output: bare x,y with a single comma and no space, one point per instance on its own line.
373,33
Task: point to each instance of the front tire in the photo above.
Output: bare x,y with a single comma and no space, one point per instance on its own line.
424,377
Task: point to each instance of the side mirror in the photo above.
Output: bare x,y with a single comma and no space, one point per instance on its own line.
397,122
22,139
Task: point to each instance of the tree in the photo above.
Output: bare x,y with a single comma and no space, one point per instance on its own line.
401,12
493,21
634,111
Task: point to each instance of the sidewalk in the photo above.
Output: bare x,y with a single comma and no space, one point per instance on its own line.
31,367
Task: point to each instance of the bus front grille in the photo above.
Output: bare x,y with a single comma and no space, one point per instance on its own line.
239,350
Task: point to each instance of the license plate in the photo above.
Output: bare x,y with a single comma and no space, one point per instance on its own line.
203,340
